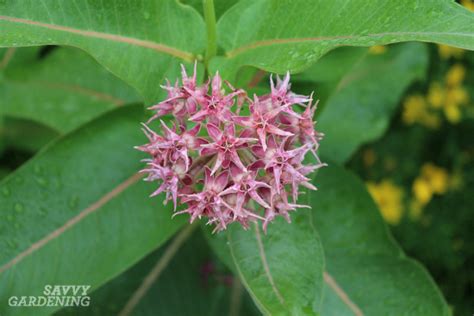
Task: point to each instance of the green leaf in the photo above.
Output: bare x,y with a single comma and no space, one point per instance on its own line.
366,271
332,66
281,35
63,90
77,213
363,101
141,42
282,269
24,135
191,283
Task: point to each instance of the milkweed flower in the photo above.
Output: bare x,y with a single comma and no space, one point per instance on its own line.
230,158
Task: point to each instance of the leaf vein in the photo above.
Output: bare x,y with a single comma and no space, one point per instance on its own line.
340,292
111,37
263,258
157,269
72,222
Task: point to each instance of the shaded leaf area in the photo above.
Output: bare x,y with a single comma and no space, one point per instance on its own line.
193,283
68,214
282,269
367,273
19,140
220,6
138,41
323,77
63,90
362,101
25,135
263,34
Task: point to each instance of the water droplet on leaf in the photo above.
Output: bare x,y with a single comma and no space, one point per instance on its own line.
6,191
18,207
73,202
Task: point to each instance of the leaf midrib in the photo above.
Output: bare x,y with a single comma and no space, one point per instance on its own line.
7,57
329,280
187,56
157,269
71,222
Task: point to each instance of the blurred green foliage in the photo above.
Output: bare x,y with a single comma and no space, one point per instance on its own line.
436,228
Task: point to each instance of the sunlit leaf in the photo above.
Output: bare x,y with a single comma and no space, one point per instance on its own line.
142,42
281,35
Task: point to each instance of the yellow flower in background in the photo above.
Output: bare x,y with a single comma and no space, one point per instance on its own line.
469,4
455,75
447,52
436,95
437,177
457,95
369,157
377,50
452,113
388,197
422,191
415,110
432,180
449,97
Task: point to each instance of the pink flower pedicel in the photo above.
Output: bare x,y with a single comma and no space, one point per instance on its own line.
227,166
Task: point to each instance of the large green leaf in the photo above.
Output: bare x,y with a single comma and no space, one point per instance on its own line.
281,35
192,283
141,42
282,269
62,90
77,212
363,100
366,272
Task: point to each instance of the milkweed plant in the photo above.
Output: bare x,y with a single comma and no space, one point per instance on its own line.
177,157
230,167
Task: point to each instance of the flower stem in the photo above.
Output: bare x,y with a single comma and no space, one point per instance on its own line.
210,18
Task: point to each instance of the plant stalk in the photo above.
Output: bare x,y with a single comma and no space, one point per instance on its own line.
210,18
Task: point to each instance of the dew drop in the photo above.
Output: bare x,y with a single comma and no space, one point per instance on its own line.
146,15
37,169
12,244
6,191
10,218
18,207
42,211
42,181
73,202
57,184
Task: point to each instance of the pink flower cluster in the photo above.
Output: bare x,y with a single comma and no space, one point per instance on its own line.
227,166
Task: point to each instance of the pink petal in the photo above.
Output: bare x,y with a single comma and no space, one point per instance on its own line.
221,181
214,132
